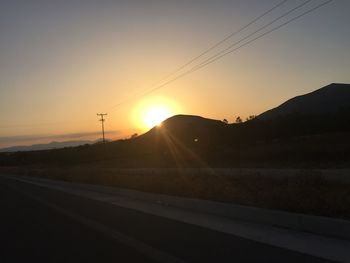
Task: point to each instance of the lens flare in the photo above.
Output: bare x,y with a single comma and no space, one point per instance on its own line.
153,111
155,115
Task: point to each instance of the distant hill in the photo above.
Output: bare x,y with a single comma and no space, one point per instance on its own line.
189,121
311,129
323,111
184,130
326,100
47,146
186,126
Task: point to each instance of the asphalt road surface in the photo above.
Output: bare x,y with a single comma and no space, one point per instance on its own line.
38,224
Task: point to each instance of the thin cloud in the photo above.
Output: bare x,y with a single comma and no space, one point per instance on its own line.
68,136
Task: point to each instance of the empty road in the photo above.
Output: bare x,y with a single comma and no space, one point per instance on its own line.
38,224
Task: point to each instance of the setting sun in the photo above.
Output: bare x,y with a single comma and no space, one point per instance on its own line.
155,115
153,111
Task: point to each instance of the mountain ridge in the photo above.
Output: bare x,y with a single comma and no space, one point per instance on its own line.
194,141
326,100
45,146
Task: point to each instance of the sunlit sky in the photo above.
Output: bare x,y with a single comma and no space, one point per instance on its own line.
61,62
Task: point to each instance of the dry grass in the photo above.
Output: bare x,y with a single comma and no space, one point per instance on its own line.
305,192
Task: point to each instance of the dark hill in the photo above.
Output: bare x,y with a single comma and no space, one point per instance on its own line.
186,128
182,137
312,129
327,100
46,146
189,121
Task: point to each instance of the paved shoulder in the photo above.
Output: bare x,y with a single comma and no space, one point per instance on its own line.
181,241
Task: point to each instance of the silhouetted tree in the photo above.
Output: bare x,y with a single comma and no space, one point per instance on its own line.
251,117
225,121
238,120
134,136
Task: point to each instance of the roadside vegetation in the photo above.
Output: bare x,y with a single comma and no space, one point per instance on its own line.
306,191
159,160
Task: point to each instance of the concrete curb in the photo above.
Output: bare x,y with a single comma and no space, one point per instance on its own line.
307,223
324,226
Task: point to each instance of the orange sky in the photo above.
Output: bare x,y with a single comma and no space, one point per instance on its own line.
62,63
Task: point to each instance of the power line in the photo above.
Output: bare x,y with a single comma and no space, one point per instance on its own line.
220,42
258,30
225,39
196,68
217,57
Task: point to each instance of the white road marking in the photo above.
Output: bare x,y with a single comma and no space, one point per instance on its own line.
148,251
315,245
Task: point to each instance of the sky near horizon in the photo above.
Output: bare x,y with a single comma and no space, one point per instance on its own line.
61,62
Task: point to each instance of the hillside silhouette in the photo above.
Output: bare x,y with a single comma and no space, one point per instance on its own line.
45,146
308,130
329,99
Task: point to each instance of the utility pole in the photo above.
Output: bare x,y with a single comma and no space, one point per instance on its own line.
102,120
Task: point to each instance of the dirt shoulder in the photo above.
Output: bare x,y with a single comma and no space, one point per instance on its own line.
315,192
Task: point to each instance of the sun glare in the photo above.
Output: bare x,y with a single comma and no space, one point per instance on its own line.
153,111
155,115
